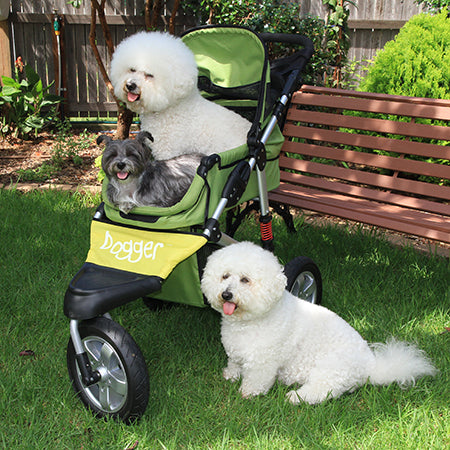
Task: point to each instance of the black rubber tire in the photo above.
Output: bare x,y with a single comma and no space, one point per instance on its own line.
123,390
304,279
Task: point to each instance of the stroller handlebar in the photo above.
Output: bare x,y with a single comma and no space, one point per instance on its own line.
286,71
291,39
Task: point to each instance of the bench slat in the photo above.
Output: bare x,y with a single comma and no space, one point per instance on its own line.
370,142
375,95
370,159
372,208
371,194
410,129
371,105
367,178
365,212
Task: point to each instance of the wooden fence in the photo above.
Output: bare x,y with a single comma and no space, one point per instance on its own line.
372,23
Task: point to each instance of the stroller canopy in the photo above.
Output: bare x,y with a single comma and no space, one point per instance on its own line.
233,67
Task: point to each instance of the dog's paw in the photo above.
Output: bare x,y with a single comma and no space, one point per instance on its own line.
126,207
247,392
293,398
231,373
307,393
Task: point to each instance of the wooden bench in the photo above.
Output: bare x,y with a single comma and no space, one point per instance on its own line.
372,170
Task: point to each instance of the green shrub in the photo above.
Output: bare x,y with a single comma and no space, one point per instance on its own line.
434,5
416,63
26,105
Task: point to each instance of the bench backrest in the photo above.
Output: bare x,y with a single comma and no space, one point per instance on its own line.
385,157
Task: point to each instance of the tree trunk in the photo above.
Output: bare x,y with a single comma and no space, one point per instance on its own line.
125,116
124,121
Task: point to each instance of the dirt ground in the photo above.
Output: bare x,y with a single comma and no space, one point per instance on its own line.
17,154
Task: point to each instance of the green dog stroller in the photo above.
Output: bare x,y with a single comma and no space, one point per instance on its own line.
160,252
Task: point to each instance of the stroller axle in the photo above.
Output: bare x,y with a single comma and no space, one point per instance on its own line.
88,376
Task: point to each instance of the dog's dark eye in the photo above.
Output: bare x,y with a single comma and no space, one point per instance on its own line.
225,276
132,70
245,280
148,75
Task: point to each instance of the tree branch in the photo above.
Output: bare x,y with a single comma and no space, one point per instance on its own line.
172,17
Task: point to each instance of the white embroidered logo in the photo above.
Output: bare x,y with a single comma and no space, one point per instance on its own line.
132,251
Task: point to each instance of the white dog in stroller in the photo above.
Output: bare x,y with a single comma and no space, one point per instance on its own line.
155,74
270,334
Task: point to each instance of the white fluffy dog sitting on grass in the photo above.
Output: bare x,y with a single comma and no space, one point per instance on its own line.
269,334
155,74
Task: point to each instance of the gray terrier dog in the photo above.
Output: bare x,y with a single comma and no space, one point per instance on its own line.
135,179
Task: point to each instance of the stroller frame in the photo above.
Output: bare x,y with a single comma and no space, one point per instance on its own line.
94,291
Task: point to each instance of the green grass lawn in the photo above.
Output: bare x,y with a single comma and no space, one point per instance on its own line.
381,290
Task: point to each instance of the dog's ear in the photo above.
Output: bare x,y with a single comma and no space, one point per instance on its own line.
104,138
143,136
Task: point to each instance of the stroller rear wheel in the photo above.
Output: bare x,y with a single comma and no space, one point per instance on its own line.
123,388
304,279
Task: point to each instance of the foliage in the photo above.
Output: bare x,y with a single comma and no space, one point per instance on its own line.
337,39
67,148
416,62
98,163
26,105
220,12
42,173
434,5
75,3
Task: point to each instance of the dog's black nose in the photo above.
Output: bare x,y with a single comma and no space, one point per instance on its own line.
227,295
121,165
131,86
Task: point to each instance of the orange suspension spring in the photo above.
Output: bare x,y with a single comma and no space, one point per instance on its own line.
266,231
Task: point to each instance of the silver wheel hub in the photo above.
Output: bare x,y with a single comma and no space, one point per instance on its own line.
305,287
110,393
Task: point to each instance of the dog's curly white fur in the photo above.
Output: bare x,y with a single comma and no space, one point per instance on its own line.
137,180
270,334
155,74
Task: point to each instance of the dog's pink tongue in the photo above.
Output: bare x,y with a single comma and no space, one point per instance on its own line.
122,175
132,97
228,308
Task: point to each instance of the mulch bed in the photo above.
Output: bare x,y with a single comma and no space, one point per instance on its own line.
17,154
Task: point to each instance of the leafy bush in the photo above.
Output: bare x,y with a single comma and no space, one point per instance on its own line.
416,63
26,105
434,5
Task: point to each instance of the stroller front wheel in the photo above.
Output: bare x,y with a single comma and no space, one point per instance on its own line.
123,388
304,279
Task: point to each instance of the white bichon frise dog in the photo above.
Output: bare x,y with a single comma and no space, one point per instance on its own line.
270,334
155,74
